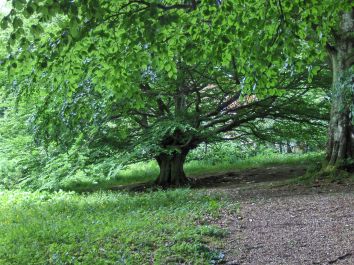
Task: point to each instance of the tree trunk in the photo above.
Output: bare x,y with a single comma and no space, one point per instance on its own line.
288,147
340,143
281,147
171,169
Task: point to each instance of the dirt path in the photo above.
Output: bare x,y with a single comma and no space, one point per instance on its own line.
301,229
289,224
235,179
283,224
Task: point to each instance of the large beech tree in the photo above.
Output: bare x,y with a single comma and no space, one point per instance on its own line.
114,46
202,104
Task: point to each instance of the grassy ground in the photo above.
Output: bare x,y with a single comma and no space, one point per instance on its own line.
195,168
164,227
148,171
317,175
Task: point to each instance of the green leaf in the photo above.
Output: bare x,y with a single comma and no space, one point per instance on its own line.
36,30
168,67
29,10
5,23
18,4
17,23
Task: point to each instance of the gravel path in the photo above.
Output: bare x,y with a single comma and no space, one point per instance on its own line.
285,224
300,229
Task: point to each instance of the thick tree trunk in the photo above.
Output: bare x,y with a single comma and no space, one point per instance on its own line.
340,143
171,169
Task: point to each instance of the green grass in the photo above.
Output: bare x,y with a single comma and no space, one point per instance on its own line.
196,168
148,171
318,174
164,227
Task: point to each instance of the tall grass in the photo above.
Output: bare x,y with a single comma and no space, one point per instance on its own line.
164,227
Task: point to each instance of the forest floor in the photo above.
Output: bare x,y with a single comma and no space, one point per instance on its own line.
280,222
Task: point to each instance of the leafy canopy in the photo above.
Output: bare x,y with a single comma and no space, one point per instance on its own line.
92,58
112,42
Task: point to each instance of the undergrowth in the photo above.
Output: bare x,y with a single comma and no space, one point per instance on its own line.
317,173
164,227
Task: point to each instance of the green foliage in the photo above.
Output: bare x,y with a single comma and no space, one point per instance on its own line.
267,158
23,164
98,85
263,36
107,228
18,155
27,166
105,71
230,152
113,84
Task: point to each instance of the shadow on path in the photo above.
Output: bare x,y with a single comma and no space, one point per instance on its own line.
245,177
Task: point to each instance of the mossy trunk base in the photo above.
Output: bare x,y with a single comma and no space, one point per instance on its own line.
340,142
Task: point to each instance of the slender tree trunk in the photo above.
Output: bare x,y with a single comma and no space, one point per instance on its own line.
340,143
288,147
171,169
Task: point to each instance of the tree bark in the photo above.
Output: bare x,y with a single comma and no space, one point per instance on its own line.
340,142
288,147
171,169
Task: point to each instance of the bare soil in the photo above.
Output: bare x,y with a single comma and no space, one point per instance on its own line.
235,179
285,224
